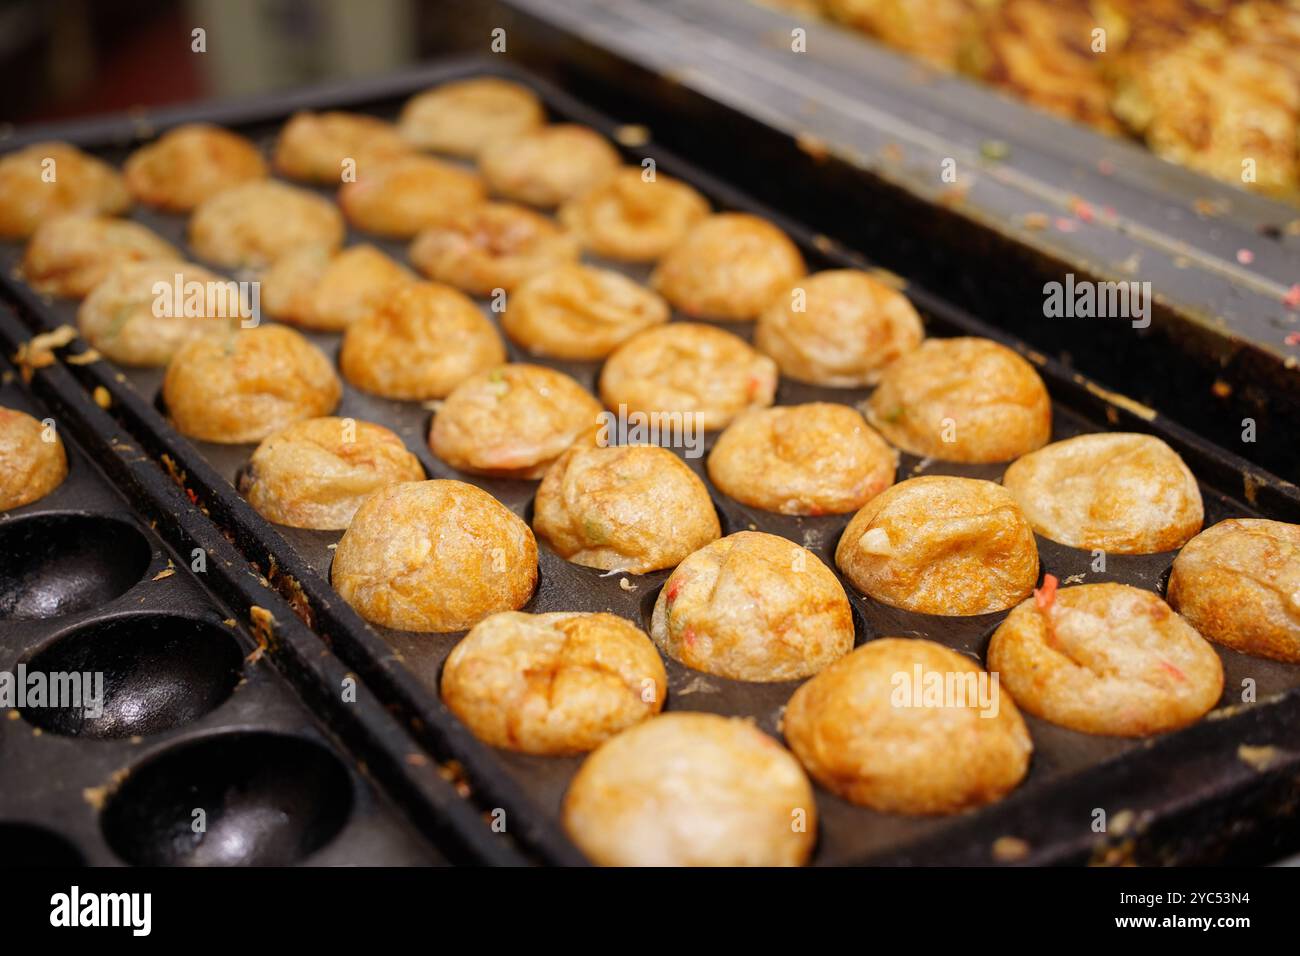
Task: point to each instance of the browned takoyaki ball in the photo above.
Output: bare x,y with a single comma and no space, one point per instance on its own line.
685,789
1238,583
698,371
512,421
189,164
580,312
1118,492
326,147
553,684
434,556
404,196
492,246
753,606
127,320
316,473
729,266
963,399
1105,659
814,459
32,460
45,180
253,224
838,328
866,733
461,118
420,342
70,255
632,218
941,545
247,385
634,508
548,165
317,289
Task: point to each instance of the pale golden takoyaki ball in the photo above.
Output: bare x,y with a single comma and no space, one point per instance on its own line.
189,164
45,180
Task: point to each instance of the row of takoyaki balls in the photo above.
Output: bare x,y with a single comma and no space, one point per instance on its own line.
446,556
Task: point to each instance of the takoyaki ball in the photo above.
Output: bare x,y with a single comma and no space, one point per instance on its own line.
461,118
685,789
46,180
815,459
729,266
253,224
548,165
245,386
119,318
315,289
434,556
705,374
402,197
553,684
70,255
511,421
1118,492
866,742
1238,583
634,508
964,399
419,343
633,219
30,466
838,328
315,146
755,607
580,312
492,246
941,545
1105,659
189,164
316,473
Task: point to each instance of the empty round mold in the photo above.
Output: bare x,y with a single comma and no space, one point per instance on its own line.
28,845
159,671
245,798
64,563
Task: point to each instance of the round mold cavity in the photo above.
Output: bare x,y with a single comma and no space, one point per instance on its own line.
28,845
57,564
267,799
159,671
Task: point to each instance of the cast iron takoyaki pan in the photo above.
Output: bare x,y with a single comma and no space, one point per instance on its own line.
1186,792
151,728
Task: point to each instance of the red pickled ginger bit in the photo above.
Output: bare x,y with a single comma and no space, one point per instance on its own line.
1045,595
674,587
1292,298
1178,675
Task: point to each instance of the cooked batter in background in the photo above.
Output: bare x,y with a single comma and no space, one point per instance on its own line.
1204,83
